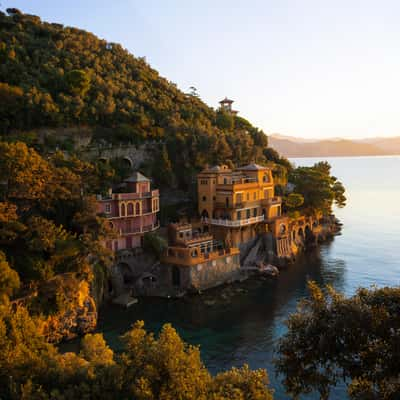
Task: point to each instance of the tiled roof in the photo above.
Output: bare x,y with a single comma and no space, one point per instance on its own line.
137,177
252,167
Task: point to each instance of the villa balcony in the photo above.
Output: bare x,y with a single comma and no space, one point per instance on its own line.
200,238
234,223
139,229
272,201
192,256
128,196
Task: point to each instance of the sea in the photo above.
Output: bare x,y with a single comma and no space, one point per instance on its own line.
242,323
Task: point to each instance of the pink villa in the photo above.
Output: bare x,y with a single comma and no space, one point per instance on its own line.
131,213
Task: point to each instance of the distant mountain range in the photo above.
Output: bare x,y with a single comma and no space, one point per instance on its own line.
336,147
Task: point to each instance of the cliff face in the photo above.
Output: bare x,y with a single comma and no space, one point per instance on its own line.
72,322
70,305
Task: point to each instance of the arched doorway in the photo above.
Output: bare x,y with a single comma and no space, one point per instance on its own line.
126,272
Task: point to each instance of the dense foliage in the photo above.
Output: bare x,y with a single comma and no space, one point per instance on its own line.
48,228
56,76
333,339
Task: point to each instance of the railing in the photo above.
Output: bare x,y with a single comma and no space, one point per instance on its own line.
128,196
203,237
272,200
230,205
234,223
191,256
139,229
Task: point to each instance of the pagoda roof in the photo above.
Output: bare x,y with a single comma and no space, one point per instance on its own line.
252,167
137,177
226,100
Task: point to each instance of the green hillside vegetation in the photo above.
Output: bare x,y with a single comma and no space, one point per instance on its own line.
56,76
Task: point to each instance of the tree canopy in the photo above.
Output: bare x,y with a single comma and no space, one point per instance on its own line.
318,187
333,339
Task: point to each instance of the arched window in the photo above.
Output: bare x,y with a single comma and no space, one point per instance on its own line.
130,209
137,209
204,198
123,210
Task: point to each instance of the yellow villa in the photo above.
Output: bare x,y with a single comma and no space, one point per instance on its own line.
238,203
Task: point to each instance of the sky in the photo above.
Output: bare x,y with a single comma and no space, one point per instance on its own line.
306,68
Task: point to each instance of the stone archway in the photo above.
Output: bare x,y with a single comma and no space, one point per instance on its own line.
127,161
126,272
309,236
300,233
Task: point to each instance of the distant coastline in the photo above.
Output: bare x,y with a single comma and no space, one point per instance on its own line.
292,147
345,156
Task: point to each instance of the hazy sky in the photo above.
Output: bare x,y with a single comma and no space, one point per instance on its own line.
310,68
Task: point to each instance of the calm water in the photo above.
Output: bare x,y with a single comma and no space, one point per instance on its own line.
245,321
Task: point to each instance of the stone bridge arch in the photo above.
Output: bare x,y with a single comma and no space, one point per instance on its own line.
127,160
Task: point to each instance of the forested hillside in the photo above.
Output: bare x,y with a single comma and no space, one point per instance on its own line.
56,76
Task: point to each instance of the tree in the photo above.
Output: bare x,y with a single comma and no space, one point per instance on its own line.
241,384
77,82
9,279
95,350
167,368
319,189
193,91
224,120
332,338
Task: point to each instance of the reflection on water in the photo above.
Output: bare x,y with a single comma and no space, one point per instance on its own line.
241,323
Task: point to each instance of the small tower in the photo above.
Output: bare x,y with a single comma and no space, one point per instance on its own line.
226,105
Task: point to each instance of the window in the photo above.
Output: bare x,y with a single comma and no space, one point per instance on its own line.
254,212
255,196
204,198
122,210
137,209
213,198
108,208
130,209
225,181
238,215
248,196
247,213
